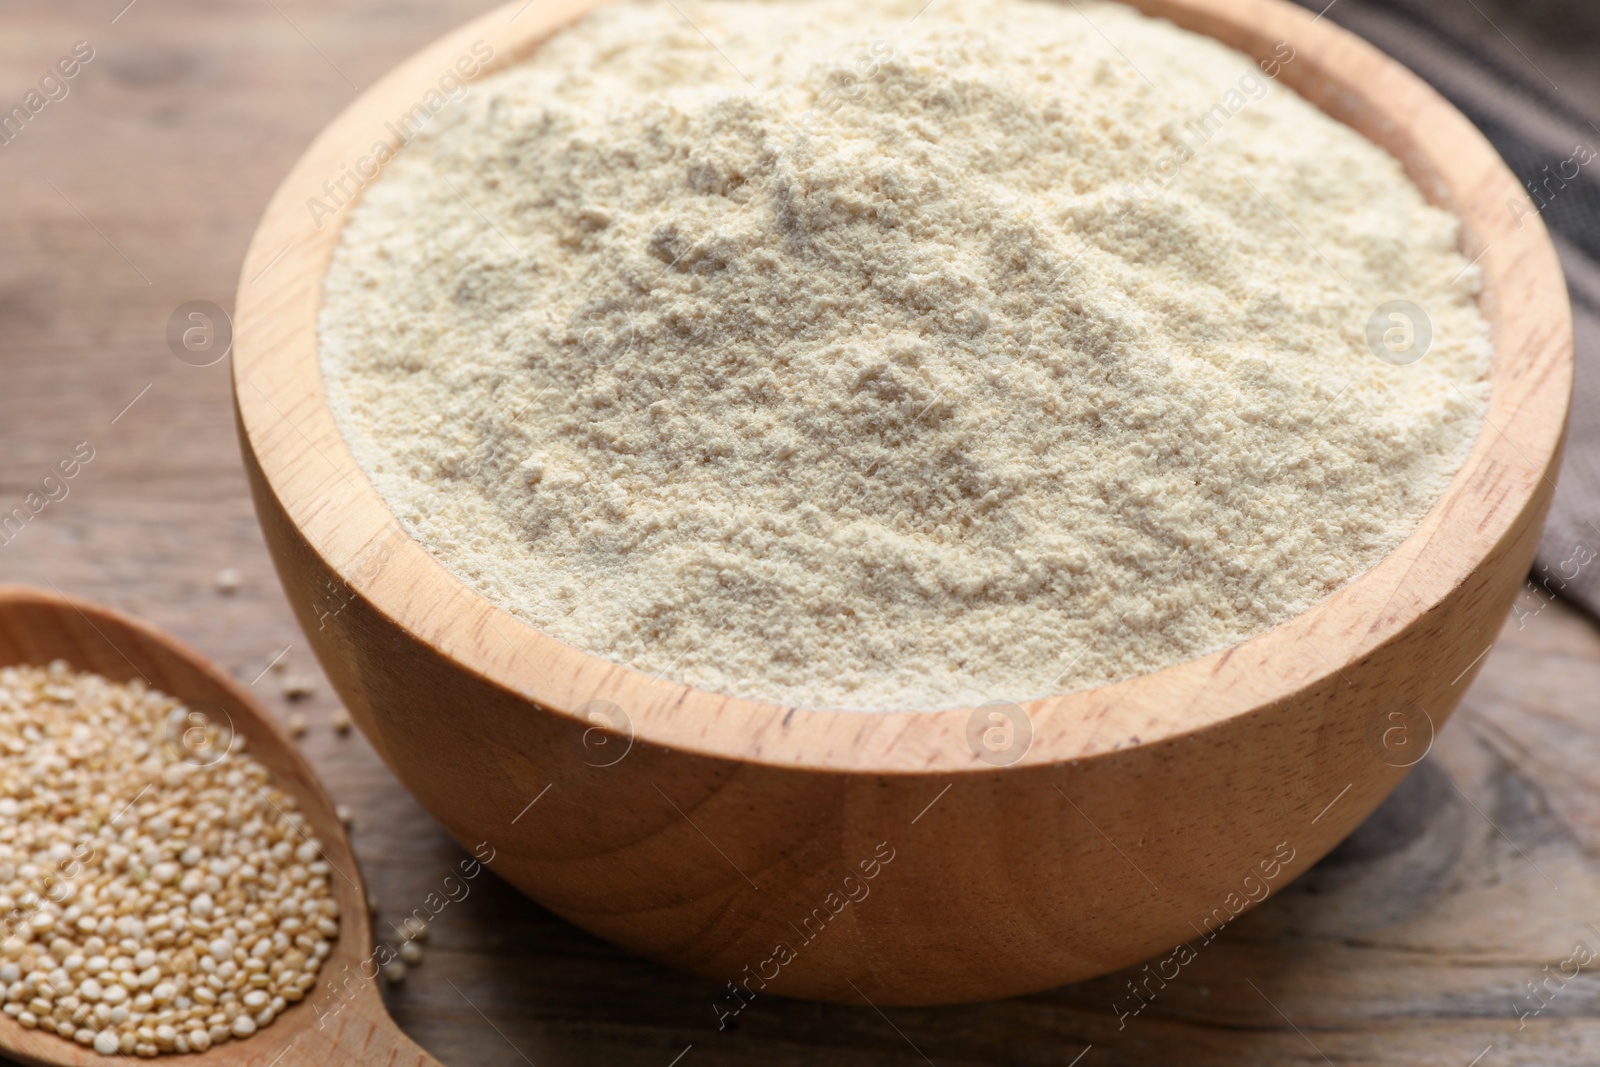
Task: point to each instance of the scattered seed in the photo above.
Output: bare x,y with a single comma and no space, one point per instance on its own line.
228,581
298,724
298,687
411,953
394,972
340,721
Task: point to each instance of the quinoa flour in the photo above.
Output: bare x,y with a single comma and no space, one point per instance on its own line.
868,361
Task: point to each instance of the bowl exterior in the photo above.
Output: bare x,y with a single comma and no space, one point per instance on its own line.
900,888
910,858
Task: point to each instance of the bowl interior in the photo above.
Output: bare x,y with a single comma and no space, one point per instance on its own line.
301,458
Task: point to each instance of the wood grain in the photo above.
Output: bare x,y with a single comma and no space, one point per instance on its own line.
733,836
1406,946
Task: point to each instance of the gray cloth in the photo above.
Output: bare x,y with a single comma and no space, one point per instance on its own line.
1526,73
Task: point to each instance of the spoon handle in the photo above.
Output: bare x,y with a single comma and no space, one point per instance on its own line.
362,1035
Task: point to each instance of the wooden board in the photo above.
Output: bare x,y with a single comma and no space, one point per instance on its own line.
1410,945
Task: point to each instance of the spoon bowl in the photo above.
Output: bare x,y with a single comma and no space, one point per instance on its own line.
342,1019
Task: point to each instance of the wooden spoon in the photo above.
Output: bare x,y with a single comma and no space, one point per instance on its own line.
342,1019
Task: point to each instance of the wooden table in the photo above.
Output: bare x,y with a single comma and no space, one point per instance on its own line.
1413,944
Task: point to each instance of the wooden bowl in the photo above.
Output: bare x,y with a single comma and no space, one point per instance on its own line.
342,1019
917,857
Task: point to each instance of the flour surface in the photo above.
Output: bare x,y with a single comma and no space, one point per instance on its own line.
839,359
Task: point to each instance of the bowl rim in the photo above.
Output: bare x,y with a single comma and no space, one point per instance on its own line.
288,431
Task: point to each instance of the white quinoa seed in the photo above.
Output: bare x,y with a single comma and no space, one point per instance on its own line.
149,905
